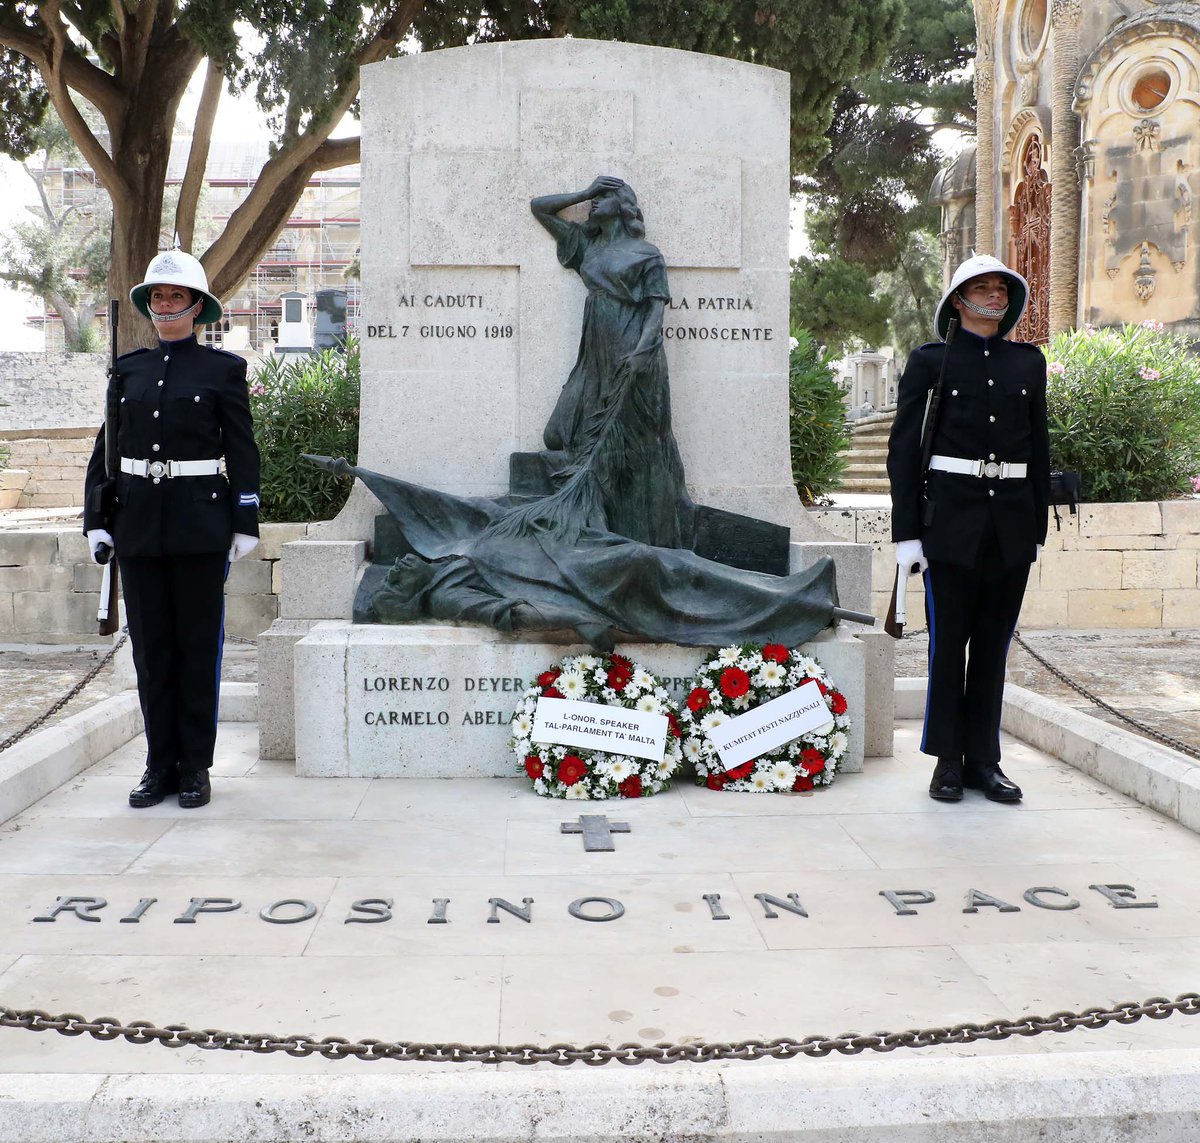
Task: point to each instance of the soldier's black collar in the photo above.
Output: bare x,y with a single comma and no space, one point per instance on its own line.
167,346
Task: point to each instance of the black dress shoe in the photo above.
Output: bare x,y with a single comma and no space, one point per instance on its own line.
947,782
154,786
988,777
194,789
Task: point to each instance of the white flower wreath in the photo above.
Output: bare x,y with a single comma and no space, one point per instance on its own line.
571,772
741,677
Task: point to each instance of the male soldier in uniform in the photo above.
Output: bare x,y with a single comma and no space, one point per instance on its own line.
178,521
976,522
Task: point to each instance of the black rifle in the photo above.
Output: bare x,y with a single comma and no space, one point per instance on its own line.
105,493
894,623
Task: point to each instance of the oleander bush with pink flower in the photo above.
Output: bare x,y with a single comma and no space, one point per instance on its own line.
1124,410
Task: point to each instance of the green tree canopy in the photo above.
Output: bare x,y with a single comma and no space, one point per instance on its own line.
867,197
133,59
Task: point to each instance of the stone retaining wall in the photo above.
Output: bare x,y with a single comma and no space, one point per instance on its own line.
51,391
56,460
49,586
1112,565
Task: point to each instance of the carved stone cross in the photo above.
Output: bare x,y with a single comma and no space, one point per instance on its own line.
597,831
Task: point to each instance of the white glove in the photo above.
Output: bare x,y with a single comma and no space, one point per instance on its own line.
95,538
909,552
241,546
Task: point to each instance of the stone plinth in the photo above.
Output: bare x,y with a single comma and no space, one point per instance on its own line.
435,701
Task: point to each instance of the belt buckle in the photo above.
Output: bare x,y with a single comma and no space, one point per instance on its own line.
991,469
157,469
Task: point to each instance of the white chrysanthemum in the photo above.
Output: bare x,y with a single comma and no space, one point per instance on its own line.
571,685
587,662
751,661
742,703
609,695
661,694
729,655
522,747
522,725
760,781
665,767
578,792
713,718
770,674
691,749
644,679
539,785
649,704
705,681
618,768
600,675
838,742
794,749
783,774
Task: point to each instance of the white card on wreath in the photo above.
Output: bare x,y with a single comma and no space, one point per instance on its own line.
770,725
612,729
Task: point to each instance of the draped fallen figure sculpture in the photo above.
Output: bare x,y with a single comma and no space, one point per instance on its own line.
467,566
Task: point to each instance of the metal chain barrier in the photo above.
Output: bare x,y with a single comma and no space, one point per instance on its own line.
13,739
849,1044
1078,688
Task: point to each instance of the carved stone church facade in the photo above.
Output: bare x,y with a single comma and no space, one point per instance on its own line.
1087,160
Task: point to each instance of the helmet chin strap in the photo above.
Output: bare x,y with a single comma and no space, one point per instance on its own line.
166,318
982,311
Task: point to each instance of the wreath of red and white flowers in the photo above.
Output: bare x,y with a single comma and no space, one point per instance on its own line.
558,771
741,677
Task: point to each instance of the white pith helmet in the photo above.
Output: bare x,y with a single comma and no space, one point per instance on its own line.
175,268
1018,292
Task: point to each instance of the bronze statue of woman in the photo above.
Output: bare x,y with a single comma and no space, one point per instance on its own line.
612,451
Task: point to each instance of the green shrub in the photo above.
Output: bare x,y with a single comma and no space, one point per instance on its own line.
306,405
817,419
1124,409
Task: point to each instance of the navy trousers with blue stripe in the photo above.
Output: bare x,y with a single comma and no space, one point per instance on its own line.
175,606
972,613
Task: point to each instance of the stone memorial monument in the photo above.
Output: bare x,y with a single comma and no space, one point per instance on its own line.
470,325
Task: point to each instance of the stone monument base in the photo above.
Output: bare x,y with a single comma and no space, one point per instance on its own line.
435,701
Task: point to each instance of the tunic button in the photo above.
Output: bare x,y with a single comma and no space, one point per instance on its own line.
196,399
991,456
991,492
991,382
154,448
160,383
953,392
155,413
122,400
214,496
985,353
1023,393
992,419
157,480
166,358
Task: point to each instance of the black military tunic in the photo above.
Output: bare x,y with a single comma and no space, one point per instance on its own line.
980,534
180,402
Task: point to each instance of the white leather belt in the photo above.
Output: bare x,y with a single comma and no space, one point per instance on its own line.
157,469
993,469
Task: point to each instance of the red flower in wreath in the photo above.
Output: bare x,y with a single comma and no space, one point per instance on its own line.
734,682
698,700
619,675
552,692
802,783
716,780
838,703
571,769
631,787
812,761
673,725
740,772
821,686
548,678
776,652
534,767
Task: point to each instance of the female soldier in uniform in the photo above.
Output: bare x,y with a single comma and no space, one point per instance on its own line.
178,520
976,521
